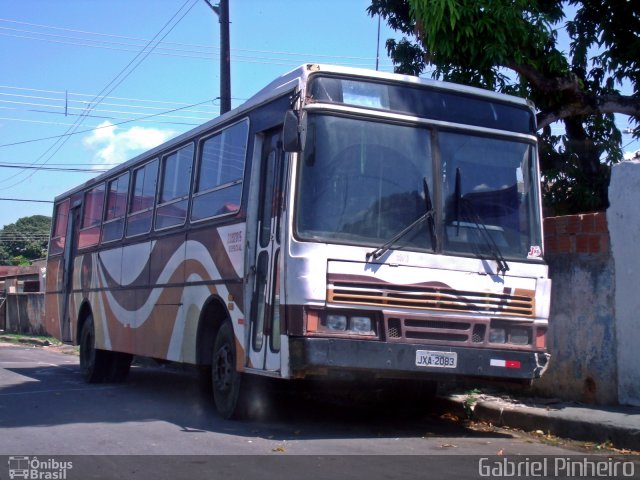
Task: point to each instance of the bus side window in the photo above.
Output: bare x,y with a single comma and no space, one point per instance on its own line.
218,188
91,216
59,233
116,208
173,196
142,199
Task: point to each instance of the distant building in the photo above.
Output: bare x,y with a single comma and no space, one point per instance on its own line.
22,279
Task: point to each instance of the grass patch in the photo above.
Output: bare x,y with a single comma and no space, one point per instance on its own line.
22,339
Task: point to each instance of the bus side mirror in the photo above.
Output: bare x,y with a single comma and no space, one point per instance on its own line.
291,132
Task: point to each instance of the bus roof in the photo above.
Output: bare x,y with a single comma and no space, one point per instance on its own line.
287,83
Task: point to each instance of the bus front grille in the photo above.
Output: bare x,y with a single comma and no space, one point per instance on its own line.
519,304
422,330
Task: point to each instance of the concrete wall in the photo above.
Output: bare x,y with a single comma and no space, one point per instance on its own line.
624,224
25,313
594,333
581,337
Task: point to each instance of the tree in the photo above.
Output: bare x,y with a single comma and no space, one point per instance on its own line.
513,46
24,240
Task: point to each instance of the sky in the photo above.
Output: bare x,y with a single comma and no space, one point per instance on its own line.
59,58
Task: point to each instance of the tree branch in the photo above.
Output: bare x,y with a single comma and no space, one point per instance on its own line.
545,84
592,105
577,102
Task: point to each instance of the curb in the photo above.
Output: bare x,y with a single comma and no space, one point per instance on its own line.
620,426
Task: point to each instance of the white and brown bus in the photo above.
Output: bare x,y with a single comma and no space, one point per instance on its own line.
340,222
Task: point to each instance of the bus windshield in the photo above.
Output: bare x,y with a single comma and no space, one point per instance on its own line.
489,196
361,182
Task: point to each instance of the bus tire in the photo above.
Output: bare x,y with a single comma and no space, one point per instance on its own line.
94,363
226,380
120,364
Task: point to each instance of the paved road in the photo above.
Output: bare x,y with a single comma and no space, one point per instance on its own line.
46,410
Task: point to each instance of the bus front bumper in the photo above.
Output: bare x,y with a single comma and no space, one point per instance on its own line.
309,356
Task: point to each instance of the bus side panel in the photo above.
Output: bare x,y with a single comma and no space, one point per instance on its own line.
110,275
108,281
214,266
147,298
80,285
54,297
183,276
158,303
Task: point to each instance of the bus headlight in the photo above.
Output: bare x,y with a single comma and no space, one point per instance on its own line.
520,336
497,335
507,332
361,324
336,322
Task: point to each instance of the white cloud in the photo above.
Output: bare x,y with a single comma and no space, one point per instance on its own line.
115,145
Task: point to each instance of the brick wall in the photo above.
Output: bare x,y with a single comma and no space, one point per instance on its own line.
585,233
582,334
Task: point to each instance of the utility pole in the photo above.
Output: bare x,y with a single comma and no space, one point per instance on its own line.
222,11
378,45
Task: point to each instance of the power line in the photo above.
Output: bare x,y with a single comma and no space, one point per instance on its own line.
97,128
68,108
194,48
64,103
24,200
211,56
53,169
128,99
83,164
44,122
112,85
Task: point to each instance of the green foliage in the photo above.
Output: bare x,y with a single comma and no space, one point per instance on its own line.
512,46
24,240
470,401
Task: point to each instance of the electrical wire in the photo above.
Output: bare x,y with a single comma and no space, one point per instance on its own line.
54,169
10,87
201,50
71,101
112,85
97,128
100,110
24,200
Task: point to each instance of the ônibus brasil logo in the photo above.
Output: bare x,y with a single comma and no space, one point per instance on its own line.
38,469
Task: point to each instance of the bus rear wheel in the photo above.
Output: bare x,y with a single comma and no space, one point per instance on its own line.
98,365
93,362
120,364
228,394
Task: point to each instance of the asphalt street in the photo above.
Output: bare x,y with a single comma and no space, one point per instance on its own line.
47,410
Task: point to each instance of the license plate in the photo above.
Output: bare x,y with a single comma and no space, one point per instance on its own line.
427,358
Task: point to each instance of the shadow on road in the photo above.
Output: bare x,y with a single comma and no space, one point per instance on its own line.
53,393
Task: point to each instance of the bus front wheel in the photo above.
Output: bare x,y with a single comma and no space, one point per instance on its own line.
227,382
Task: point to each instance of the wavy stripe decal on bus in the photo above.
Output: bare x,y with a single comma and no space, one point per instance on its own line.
225,270
161,309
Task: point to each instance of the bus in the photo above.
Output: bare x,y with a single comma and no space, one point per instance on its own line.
342,223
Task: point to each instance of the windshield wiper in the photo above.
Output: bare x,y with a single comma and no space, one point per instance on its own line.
460,201
428,215
429,208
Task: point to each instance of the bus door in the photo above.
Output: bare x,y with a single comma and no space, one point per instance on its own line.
70,249
264,351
